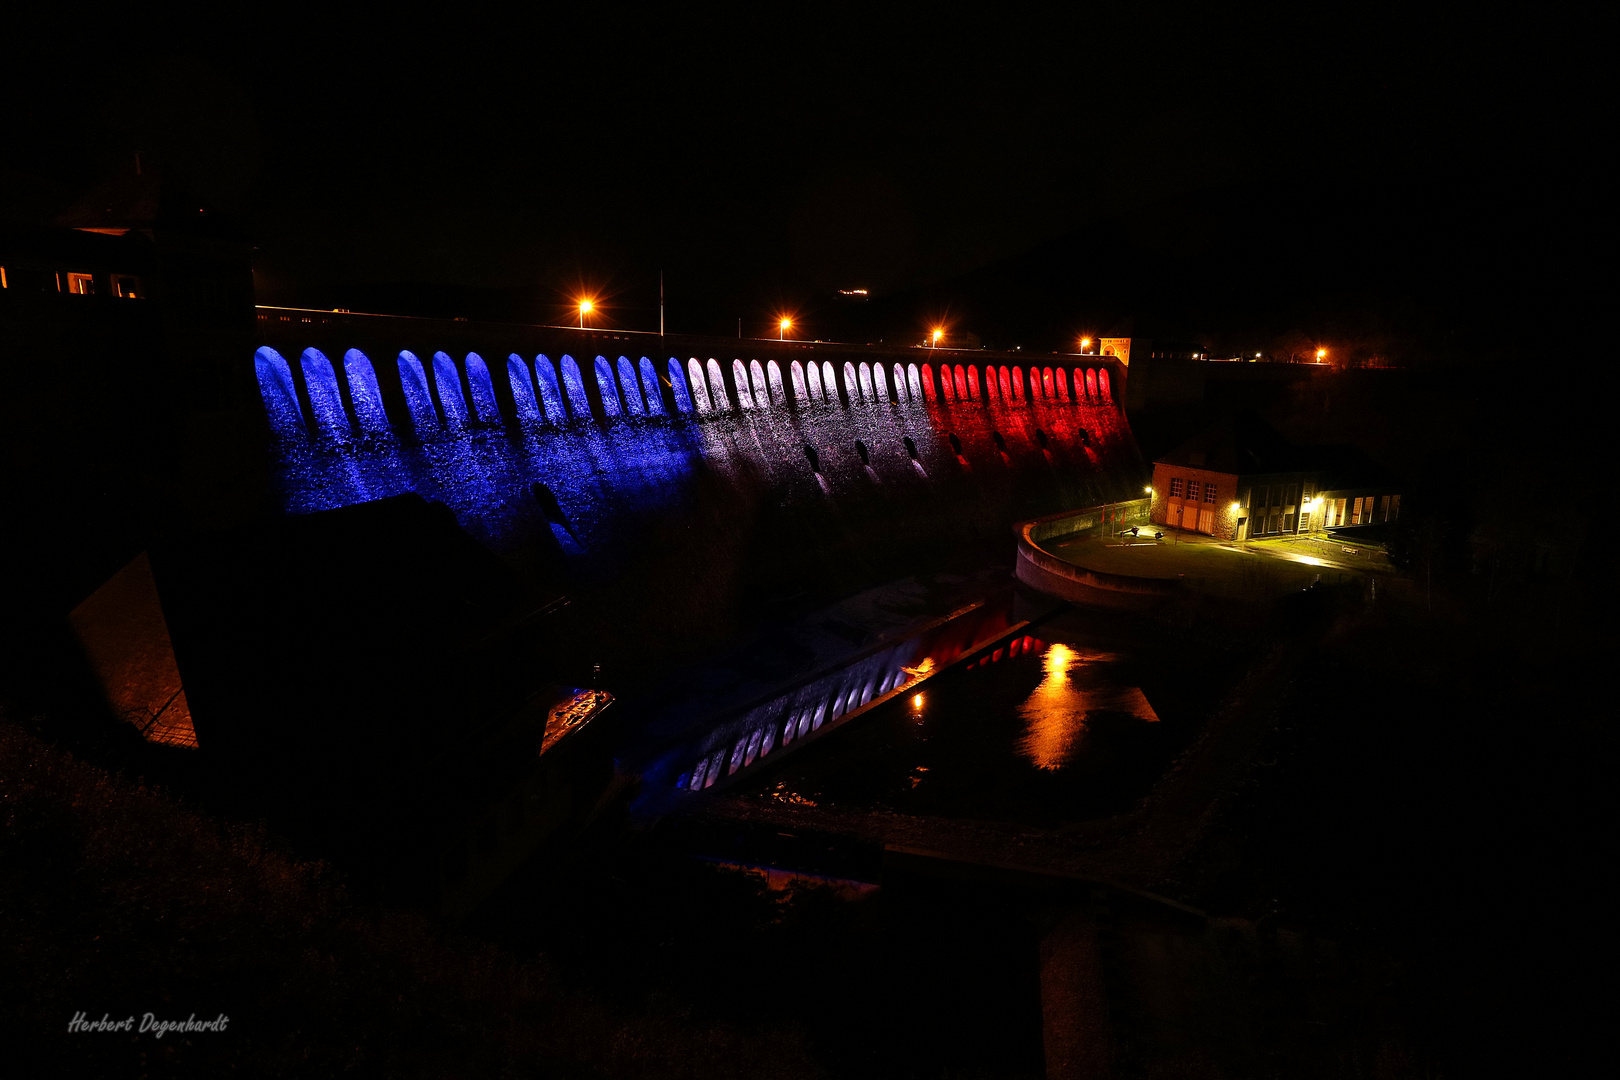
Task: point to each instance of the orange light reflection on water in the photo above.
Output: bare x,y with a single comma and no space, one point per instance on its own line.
1055,711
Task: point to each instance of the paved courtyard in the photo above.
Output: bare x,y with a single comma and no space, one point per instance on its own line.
1251,569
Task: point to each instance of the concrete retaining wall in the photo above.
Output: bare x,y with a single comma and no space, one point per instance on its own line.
1046,573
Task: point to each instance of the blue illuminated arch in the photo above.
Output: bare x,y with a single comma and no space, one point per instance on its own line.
649,386
608,386
677,384
523,402
483,390
279,394
551,395
447,381
631,388
325,401
368,403
579,406
418,398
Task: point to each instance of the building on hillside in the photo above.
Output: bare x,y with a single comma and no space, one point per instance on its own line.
1240,480
1148,348
136,272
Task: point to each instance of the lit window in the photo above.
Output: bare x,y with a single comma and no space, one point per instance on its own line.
128,286
1175,488
1209,492
3,283
1192,490
81,284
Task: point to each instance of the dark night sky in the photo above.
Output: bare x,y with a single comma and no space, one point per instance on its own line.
1212,174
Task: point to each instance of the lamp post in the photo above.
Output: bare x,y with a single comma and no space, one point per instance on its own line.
782,328
585,307
933,339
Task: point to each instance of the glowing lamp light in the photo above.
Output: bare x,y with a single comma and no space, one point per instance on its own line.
1147,490
1085,343
1320,353
585,308
782,327
1236,507
938,333
917,701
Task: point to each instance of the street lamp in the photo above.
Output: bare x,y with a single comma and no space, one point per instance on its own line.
585,308
782,328
1320,353
934,338
1085,343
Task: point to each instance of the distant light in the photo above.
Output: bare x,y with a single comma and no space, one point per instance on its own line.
1319,354
938,334
1257,356
1085,343
1148,490
785,323
585,306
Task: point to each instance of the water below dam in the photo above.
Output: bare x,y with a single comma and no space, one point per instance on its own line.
1042,731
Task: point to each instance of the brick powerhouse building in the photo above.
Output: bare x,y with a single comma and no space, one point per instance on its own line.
1241,480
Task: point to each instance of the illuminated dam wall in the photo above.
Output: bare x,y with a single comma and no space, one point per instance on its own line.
607,449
